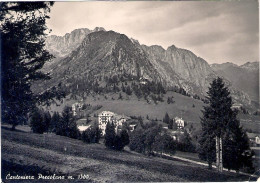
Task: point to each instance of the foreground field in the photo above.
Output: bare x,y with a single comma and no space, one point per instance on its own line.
27,153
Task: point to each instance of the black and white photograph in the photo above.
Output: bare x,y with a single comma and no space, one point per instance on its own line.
130,91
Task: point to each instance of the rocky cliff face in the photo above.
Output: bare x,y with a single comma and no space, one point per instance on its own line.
61,46
106,53
181,66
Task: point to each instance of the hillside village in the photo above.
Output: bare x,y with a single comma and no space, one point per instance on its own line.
121,120
118,119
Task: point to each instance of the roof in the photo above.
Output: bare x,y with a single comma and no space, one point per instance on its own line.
177,118
115,116
83,128
252,135
107,112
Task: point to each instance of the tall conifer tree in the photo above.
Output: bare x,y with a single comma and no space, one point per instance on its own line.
110,135
23,31
221,131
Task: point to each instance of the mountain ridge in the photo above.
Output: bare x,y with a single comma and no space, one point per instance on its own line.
109,52
244,77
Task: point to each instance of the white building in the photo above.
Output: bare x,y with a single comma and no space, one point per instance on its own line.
75,107
237,106
107,116
179,122
132,127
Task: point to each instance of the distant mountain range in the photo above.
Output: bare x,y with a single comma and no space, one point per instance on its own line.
244,77
101,54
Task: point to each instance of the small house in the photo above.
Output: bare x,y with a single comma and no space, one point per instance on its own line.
237,106
76,107
254,139
179,122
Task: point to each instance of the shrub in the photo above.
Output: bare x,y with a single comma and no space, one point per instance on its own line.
137,139
153,138
185,143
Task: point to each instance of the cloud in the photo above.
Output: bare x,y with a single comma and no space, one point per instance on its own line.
216,31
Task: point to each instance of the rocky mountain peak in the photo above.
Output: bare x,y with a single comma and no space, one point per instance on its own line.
253,66
172,47
98,29
61,46
103,53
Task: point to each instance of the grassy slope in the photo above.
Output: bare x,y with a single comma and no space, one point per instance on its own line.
62,155
182,107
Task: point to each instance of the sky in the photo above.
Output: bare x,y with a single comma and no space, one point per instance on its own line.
217,31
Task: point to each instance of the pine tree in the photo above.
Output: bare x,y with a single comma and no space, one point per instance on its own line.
123,87
23,32
215,118
221,131
207,145
67,125
54,122
124,137
166,118
237,152
110,135
47,120
37,122
172,124
92,134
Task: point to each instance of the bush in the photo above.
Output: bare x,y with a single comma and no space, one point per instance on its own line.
137,139
153,138
164,144
185,143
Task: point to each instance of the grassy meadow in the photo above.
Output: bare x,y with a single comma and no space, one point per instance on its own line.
186,107
28,153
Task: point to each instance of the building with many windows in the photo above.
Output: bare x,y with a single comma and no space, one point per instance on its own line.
107,116
179,122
